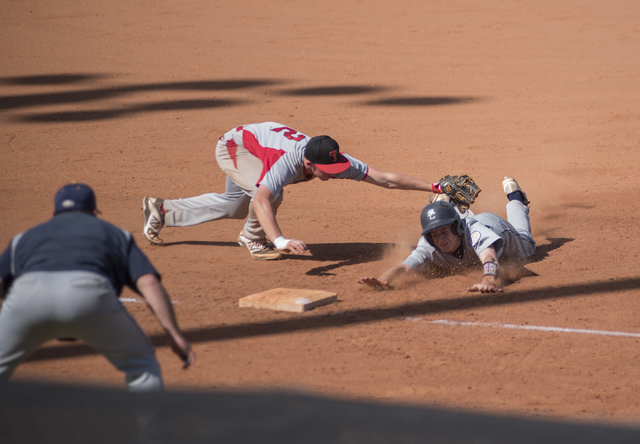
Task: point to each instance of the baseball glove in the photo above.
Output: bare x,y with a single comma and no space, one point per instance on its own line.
462,190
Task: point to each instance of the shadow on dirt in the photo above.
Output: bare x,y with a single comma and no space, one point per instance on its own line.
203,243
92,115
55,79
333,90
334,320
343,254
52,413
58,99
542,251
516,270
91,95
421,101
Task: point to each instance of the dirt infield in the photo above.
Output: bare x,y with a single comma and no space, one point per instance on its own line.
132,98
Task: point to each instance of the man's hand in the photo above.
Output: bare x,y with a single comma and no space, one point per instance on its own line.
293,246
485,288
374,283
158,300
182,349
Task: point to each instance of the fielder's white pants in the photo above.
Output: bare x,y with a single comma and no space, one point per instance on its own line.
243,171
41,306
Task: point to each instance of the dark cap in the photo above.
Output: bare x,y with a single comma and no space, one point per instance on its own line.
324,153
75,197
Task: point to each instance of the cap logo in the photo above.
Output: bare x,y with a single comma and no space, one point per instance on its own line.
431,214
334,155
74,197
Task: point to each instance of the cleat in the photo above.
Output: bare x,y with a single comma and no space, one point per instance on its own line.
153,219
260,250
510,185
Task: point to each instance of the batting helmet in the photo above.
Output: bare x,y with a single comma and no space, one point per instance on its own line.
440,214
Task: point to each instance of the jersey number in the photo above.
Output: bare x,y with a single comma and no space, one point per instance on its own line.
290,133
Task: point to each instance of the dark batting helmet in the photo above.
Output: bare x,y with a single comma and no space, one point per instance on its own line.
440,214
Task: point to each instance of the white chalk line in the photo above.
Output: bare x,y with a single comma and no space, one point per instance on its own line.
139,300
534,327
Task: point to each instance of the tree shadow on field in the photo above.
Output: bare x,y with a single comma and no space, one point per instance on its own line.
90,95
84,116
333,90
53,79
319,321
172,99
421,101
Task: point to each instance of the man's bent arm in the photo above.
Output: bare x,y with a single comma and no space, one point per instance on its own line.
158,300
264,213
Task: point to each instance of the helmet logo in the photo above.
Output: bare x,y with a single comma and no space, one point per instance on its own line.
431,214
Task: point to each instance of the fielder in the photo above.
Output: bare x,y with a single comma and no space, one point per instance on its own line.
259,160
63,279
453,242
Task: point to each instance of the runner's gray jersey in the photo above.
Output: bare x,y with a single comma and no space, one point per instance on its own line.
480,232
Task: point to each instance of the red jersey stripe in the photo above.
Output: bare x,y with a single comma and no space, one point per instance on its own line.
267,155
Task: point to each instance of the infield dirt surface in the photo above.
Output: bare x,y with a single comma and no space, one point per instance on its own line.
131,97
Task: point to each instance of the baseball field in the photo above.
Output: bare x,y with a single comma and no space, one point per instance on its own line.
131,98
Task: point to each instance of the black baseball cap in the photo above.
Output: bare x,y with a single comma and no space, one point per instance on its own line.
75,197
324,153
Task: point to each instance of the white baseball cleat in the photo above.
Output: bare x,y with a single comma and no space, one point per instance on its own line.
510,185
259,250
153,219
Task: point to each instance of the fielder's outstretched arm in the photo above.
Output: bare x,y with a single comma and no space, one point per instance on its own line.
389,180
158,300
264,213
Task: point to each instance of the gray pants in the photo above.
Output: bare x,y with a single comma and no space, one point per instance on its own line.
41,306
243,172
518,216
235,203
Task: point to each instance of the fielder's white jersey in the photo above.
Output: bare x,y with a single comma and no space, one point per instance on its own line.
480,232
281,150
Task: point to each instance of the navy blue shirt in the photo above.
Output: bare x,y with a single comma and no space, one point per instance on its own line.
77,241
